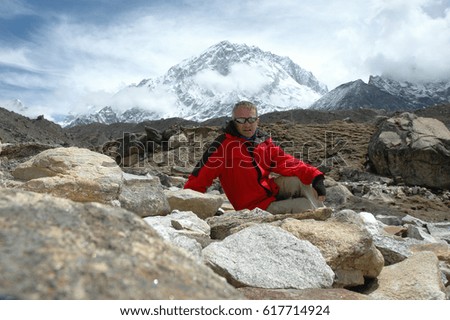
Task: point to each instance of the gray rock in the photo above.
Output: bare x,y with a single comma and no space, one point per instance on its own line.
203,205
337,194
73,173
301,294
143,195
183,229
266,256
224,225
414,221
420,233
440,230
347,248
177,140
54,248
394,249
364,220
416,278
389,220
413,150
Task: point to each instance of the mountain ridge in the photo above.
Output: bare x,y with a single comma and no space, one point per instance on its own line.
384,93
15,128
417,94
207,86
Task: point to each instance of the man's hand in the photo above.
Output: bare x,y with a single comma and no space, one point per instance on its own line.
319,188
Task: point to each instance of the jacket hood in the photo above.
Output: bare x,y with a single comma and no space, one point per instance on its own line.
230,128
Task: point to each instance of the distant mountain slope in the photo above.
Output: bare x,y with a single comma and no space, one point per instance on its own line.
384,93
418,95
15,128
356,95
208,85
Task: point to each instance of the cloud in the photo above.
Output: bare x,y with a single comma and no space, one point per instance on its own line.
74,61
248,79
157,100
71,57
16,58
409,43
11,8
23,80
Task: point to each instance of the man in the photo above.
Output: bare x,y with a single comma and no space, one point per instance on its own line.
243,160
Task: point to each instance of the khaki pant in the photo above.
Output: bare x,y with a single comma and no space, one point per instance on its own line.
295,197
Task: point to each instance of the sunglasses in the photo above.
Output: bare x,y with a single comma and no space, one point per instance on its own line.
244,120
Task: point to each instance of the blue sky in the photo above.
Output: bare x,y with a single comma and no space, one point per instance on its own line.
59,56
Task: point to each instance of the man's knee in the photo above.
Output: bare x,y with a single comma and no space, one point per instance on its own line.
290,187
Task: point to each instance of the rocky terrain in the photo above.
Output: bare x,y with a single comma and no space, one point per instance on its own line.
85,196
310,134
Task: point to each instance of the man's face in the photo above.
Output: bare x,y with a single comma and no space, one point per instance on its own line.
246,129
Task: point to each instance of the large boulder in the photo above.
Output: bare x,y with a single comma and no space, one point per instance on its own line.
53,248
266,256
204,205
347,248
87,176
74,173
416,278
412,149
233,221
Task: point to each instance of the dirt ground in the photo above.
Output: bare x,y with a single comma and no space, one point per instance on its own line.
339,145
333,141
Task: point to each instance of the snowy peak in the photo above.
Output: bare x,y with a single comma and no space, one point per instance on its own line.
208,85
107,115
417,94
223,56
218,58
357,94
384,93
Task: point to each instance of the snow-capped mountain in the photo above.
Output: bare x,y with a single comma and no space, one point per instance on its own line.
384,93
418,95
357,94
208,85
107,115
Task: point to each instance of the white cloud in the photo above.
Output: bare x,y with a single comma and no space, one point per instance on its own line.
155,100
24,80
248,79
339,41
17,58
409,43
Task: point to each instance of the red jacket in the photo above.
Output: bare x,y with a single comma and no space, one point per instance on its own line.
243,167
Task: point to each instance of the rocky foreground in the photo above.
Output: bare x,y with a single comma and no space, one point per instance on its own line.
114,222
